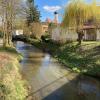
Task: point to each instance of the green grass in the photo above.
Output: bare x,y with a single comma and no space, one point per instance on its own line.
83,59
12,51
8,49
12,87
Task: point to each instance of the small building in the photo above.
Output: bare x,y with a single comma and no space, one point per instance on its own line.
45,26
63,34
18,32
91,33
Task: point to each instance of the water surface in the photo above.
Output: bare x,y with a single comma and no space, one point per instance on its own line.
49,80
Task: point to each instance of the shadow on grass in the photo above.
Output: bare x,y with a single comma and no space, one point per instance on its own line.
75,56
8,49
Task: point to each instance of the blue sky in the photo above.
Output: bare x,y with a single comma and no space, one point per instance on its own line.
47,7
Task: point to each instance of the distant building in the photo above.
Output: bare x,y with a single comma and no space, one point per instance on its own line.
48,20
91,33
90,29
18,32
45,25
55,18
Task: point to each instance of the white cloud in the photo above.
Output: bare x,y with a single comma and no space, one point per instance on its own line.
51,8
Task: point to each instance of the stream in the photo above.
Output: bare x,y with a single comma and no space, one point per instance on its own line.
49,80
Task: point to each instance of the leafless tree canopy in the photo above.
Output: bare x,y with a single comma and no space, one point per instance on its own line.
10,11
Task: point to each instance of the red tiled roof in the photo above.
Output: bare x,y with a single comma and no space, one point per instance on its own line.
48,20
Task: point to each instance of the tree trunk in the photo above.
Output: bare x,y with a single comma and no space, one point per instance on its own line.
5,37
80,37
9,28
79,31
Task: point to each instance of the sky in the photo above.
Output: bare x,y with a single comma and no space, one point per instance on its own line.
47,7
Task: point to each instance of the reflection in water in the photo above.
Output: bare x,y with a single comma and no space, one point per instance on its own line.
46,61
51,81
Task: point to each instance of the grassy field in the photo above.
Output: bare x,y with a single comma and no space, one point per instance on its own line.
12,87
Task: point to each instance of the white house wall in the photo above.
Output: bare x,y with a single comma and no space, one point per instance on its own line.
17,32
61,34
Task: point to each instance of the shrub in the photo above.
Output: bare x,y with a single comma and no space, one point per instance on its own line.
46,38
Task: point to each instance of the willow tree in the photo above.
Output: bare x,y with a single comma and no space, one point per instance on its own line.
77,13
8,11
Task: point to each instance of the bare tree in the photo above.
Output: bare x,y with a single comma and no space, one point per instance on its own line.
9,11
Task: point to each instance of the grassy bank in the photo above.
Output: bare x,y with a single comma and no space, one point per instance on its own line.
12,87
82,59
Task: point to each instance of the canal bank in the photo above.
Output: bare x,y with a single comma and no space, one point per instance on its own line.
49,80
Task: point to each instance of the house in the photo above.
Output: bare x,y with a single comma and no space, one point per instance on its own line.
63,34
91,32
45,26
18,32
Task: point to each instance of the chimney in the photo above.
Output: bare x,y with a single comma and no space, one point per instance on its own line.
56,17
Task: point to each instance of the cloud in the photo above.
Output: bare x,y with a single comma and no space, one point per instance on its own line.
51,8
